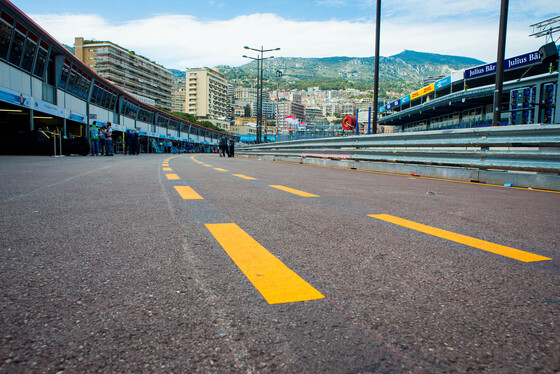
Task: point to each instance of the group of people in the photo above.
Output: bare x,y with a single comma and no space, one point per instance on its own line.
102,140
131,143
226,146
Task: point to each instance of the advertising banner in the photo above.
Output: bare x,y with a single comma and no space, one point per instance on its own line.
48,108
443,83
510,63
77,117
14,97
423,91
118,127
480,70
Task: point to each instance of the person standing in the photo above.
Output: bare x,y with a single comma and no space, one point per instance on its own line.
135,143
102,149
231,147
109,140
128,150
94,137
223,146
220,147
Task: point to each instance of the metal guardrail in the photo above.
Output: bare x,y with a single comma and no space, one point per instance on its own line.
521,147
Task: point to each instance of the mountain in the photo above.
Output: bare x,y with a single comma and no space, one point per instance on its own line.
432,58
177,73
402,71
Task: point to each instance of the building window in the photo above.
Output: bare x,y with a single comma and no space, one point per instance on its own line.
18,40
6,26
29,52
41,61
64,74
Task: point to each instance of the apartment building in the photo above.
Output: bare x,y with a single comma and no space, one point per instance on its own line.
347,107
329,108
179,98
287,108
132,73
248,96
245,93
207,93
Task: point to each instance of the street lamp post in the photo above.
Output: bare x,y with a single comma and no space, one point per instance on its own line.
260,76
278,76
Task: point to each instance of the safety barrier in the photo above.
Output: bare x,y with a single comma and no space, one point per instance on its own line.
522,148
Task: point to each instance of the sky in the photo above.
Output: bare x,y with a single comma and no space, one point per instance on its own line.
181,34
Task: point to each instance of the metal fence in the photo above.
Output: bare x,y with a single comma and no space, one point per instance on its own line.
533,148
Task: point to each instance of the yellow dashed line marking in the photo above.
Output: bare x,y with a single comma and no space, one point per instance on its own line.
462,239
219,169
245,177
172,176
187,193
274,280
167,169
208,165
294,191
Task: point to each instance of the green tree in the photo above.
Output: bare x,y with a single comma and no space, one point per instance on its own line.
194,119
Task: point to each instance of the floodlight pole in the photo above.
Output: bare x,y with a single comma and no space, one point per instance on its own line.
376,68
260,83
500,64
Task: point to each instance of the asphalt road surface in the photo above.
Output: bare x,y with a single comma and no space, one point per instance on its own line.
202,264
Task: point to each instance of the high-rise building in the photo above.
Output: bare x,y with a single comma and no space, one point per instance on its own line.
289,108
206,93
125,69
248,95
179,98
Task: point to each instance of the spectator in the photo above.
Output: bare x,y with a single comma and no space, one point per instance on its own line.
102,147
94,137
223,146
128,143
231,147
109,140
135,143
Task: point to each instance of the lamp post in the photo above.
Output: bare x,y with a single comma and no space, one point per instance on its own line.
260,75
278,76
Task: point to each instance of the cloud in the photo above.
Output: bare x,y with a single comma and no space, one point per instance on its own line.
181,41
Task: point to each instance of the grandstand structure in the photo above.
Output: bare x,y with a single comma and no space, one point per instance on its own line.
464,99
43,86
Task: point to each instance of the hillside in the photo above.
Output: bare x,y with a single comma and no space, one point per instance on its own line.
458,62
398,73
408,66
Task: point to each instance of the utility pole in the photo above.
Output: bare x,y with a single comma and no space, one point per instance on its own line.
260,75
500,64
376,67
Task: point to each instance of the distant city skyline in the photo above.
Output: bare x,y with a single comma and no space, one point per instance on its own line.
181,34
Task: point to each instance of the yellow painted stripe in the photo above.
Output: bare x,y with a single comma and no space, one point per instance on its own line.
165,164
208,165
462,239
167,169
172,176
274,280
219,169
294,191
187,193
245,177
